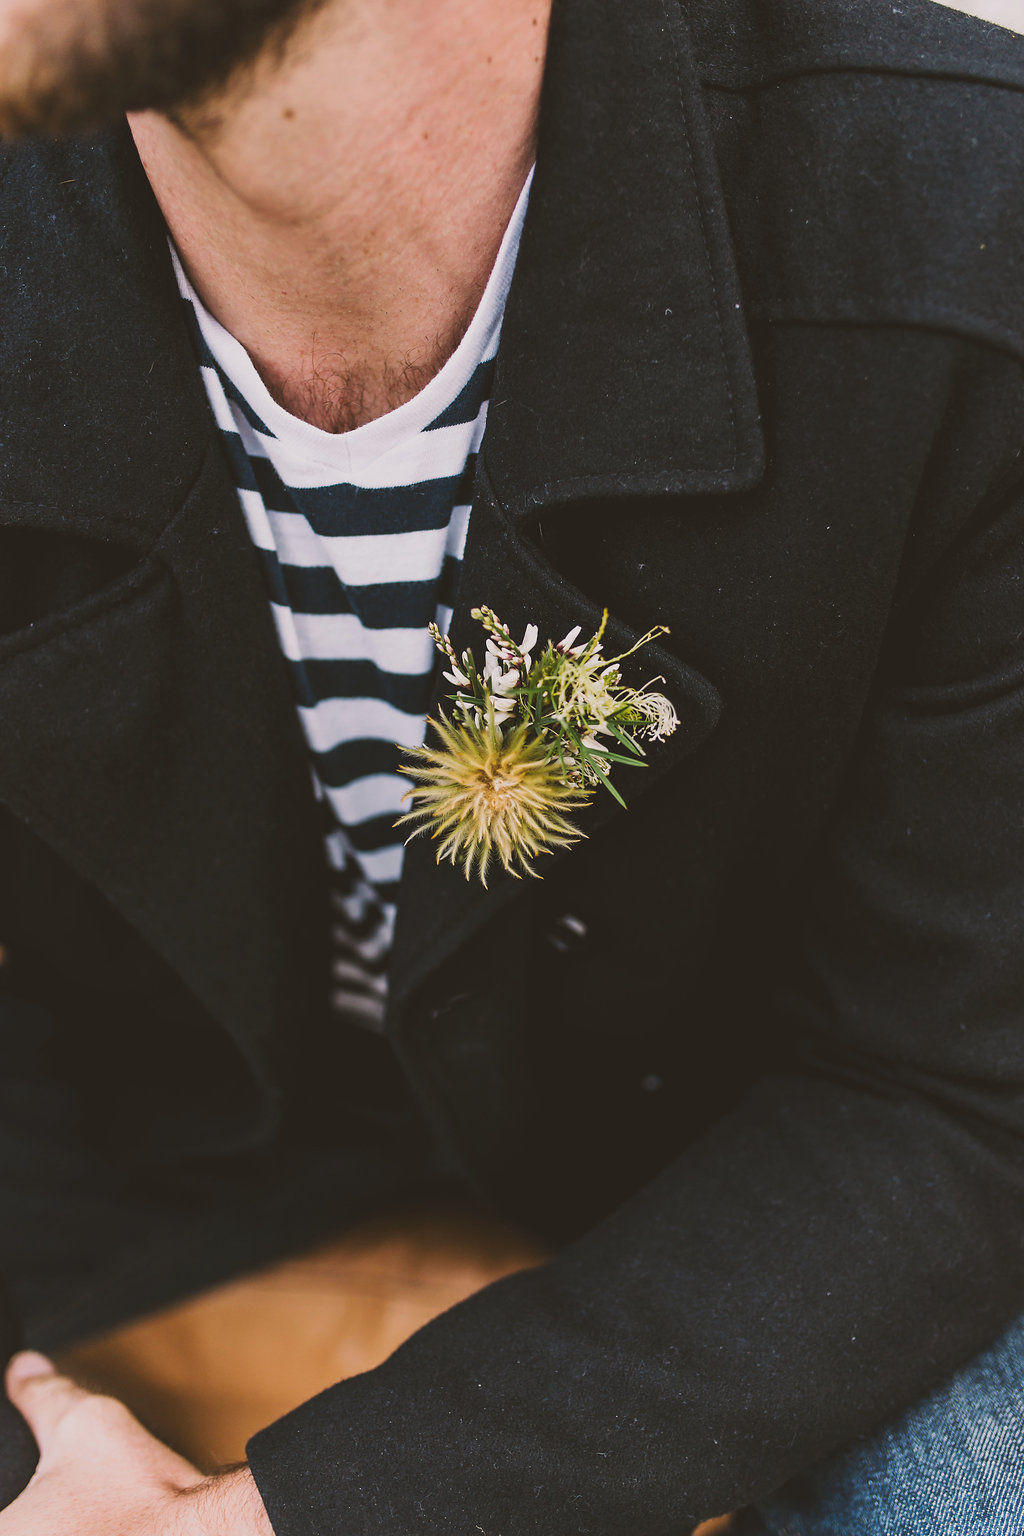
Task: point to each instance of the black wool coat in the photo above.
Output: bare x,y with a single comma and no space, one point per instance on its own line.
752,1054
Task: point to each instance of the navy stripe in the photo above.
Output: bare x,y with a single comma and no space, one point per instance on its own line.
207,360
237,398
358,929
354,760
274,579
337,511
239,461
351,881
315,681
347,880
373,835
448,586
466,405
384,605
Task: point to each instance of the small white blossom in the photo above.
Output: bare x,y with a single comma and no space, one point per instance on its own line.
660,717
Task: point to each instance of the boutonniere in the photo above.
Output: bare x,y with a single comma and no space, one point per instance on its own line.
532,735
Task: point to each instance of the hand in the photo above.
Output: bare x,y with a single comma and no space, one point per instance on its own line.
101,1474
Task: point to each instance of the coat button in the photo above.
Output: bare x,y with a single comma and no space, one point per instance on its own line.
651,1082
567,933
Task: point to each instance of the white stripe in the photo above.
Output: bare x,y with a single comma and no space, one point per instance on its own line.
339,856
334,721
440,454
458,528
363,899
344,970
254,443
360,559
378,794
354,906
218,399
260,530
362,1012
383,865
369,949
341,637
287,638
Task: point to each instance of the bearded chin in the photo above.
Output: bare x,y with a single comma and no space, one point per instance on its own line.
71,66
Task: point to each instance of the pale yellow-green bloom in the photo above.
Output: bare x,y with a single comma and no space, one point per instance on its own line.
486,795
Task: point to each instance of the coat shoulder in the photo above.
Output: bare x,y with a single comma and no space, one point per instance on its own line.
745,43
872,159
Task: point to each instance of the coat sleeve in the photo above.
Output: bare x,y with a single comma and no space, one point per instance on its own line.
19,1453
850,1235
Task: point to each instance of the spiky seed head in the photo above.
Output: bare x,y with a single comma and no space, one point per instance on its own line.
487,794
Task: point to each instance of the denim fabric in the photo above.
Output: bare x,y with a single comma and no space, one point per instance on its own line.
951,1466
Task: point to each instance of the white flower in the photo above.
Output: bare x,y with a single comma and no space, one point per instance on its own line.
660,717
526,649
565,644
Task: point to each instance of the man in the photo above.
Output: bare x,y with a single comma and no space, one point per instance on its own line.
751,1054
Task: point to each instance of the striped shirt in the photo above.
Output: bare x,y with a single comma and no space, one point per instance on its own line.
360,535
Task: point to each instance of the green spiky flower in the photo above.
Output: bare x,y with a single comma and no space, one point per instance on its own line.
487,795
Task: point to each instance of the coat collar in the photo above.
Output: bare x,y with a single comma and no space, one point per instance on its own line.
624,371
108,427
625,368
439,908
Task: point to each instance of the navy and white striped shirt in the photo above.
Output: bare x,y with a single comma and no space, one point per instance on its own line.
361,536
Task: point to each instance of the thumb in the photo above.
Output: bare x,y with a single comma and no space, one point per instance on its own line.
41,1394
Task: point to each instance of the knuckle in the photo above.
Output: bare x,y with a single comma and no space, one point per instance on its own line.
96,1414
107,1410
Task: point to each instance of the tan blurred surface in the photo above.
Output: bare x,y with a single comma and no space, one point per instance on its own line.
1007,13
205,1375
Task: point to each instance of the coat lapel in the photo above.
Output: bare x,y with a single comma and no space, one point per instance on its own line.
624,371
439,908
149,736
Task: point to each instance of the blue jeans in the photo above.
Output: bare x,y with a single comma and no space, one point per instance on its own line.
952,1466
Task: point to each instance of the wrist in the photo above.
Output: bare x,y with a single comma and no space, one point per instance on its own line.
229,1504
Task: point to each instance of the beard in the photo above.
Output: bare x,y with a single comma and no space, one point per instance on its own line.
69,66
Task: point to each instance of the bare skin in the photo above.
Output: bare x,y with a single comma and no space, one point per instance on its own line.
341,212
101,1474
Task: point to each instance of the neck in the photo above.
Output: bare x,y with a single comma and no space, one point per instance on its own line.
340,210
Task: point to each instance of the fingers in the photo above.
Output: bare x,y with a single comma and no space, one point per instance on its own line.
99,1471
41,1394
77,1428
